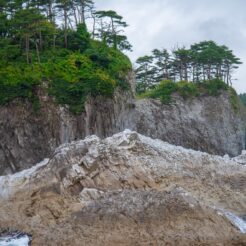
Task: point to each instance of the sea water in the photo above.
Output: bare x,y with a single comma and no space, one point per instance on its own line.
240,223
15,239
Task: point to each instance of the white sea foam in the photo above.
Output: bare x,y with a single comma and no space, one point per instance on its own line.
11,182
15,241
237,221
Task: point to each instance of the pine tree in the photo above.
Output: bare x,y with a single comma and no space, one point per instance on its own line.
64,7
182,62
26,25
111,26
82,7
162,62
202,61
145,73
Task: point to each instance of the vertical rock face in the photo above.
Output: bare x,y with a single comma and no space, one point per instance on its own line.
26,137
205,123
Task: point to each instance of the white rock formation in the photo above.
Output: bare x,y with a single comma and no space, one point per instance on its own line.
127,184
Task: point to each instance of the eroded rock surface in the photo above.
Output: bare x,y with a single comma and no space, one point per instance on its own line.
204,123
127,190
27,137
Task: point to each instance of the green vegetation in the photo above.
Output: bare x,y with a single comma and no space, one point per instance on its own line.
46,44
243,98
204,61
235,100
166,88
203,69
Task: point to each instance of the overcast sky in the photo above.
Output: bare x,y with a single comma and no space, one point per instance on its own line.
168,23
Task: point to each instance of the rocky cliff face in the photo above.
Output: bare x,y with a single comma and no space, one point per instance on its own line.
26,137
205,123
127,190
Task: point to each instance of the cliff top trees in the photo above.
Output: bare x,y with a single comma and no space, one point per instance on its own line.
80,10
16,16
243,98
111,25
145,73
202,61
47,43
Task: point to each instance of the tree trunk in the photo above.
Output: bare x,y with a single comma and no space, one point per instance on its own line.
70,23
181,71
94,26
228,74
27,48
186,72
37,51
193,73
75,16
220,72
54,41
82,2
40,41
197,74
50,13
65,27
114,34
209,72
203,71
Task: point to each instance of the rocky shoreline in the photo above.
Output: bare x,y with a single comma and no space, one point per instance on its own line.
127,189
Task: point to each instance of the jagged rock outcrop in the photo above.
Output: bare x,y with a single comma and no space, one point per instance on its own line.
205,123
127,190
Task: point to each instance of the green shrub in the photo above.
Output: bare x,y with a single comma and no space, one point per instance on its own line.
235,101
165,89
71,76
98,54
187,89
243,98
80,39
75,78
18,81
214,87
115,62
